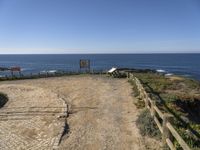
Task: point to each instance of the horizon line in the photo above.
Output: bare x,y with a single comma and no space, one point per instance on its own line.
98,53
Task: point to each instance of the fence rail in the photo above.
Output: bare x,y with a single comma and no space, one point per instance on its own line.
47,74
166,124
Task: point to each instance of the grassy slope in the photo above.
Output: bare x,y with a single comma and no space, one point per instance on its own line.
179,96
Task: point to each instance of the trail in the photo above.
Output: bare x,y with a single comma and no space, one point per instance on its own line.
102,115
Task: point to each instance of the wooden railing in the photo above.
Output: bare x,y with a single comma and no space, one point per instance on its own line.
164,121
47,75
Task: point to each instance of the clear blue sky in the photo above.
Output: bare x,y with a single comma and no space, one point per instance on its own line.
99,26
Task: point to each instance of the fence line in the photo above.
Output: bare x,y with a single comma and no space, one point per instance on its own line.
166,126
46,75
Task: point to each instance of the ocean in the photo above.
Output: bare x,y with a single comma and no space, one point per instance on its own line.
180,64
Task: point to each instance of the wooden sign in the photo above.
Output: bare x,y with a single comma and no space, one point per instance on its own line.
15,69
85,63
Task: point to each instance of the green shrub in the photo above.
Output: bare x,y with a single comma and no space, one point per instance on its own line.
139,103
192,84
169,98
192,141
135,89
146,125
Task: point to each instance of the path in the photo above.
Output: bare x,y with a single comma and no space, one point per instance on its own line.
102,113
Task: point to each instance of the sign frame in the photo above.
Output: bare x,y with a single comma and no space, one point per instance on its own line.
84,64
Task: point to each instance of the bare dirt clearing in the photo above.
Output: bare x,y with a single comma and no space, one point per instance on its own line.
102,113
28,116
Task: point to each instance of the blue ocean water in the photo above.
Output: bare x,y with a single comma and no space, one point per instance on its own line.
181,64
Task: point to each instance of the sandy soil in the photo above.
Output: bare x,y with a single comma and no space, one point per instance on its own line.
102,112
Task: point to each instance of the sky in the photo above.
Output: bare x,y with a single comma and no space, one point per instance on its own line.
99,26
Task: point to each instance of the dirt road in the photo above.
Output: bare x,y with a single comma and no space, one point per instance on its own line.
102,113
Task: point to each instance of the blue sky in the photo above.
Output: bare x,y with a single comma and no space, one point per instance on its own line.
99,26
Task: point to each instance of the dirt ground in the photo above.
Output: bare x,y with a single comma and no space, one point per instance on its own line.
27,117
102,112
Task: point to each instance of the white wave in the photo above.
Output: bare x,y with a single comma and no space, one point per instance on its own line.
52,71
169,74
161,71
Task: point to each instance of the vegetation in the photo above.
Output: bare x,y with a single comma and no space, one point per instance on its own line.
135,90
139,103
3,99
179,96
147,126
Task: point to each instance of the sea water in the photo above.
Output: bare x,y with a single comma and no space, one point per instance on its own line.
180,64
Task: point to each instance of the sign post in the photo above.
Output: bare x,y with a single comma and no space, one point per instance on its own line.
15,69
85,64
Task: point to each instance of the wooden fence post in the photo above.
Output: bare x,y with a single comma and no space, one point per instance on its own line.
166,133
128,74
140,95
145,99
153,112
131,76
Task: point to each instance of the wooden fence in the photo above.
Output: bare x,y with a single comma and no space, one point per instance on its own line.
164,121
46,75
